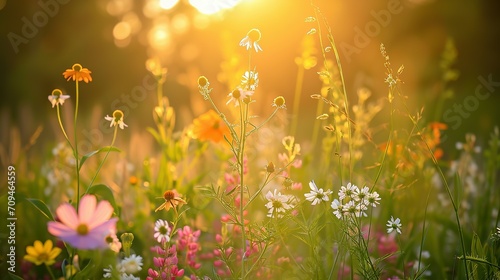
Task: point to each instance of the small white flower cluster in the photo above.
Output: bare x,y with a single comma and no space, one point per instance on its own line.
126,268
354,201
495,236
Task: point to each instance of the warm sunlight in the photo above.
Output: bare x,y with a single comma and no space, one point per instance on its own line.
250,139
209,7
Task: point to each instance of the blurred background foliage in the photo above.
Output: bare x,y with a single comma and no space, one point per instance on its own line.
114,38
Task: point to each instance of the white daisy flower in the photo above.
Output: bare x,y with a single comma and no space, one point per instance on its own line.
125,276
131,264
277,204
57,98
117,119
338,208
250,80
251,40
162,231
350,208
113,242
394,225
347,191
373,199
317,195
361,195
238,95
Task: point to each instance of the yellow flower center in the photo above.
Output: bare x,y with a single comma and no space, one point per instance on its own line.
43,257
254,35
77,67
236,94
202,81
82,229
57,92
117,115
277,204
109,239
279,101
163,230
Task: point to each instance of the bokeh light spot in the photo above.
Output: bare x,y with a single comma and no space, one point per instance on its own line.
159,36
118,7
180,23
122,30
168,4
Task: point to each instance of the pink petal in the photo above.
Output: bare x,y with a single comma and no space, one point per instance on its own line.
102,213
67,214
87,209
59,230
89,241
104,228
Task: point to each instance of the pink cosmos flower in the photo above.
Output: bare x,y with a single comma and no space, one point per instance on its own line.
86,229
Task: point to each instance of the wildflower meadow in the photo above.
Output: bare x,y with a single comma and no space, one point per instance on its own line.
361,169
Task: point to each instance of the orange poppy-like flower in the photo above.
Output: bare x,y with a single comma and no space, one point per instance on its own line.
172,200
78,73
210,126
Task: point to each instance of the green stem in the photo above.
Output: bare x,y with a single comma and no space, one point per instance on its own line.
62,127
50,272
339,65
243,120
315,133
75,150
263,123
105,157
389,139
296,100
447,187
455,207
479,260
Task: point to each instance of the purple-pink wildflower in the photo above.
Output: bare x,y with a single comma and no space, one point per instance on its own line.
86,229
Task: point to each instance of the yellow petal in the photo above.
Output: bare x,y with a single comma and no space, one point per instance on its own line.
31,251
39,246
32,259
54,253
47,246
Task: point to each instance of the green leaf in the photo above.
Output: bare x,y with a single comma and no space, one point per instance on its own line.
42,207
477,249
86,271
154,133
15,277
103,149
104,192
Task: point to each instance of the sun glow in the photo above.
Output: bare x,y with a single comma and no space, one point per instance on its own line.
168,4
210,7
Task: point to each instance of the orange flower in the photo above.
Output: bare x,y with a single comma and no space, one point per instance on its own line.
172,200
78,73
435,138
210,126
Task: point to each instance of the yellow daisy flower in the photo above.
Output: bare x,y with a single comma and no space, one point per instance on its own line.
42,253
